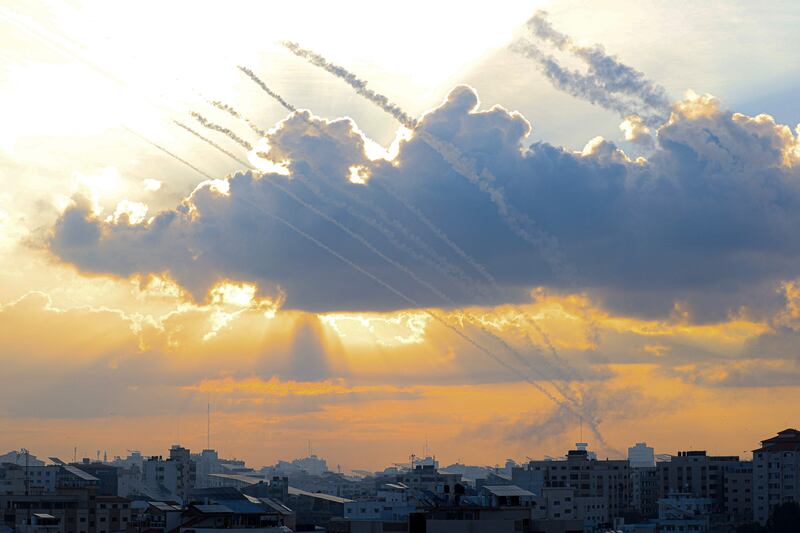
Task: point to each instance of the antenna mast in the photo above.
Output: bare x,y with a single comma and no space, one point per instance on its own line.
208,426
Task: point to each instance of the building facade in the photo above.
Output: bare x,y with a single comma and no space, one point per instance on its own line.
776,473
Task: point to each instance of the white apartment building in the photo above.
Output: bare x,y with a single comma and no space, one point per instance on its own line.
776,473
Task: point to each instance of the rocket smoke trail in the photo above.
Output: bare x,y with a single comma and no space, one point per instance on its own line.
351,79
212,143
567,404
232,112
172,155
285,222
356,267
425,221
458,277
519,223
252,75
608,82
464,165
615,76
225,131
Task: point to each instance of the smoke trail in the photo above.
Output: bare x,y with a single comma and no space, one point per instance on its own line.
416,305
438,232
442,263
232,112
252,75
615,76
225,131
330,219
463,165
439,262
520,224
607,83
386,232
212,143
351,79
563,404
427,222
172,155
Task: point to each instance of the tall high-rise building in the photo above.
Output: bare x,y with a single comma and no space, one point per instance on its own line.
186,470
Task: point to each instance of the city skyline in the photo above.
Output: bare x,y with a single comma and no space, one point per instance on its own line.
493,232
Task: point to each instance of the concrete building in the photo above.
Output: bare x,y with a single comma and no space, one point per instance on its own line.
427,478
697,474
682,512
107,475
608,480
185,470
160,478
641,456
776,473
506,496
644,491
392,504
20,458
739,493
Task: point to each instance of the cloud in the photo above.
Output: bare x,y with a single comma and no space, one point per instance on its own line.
709,216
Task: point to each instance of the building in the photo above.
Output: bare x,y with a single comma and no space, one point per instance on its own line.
160,478
393,503
112,514
739,493
186,473
315,508
644,491
21,458
776,473
641,456
427,478
697,474
609,481
682,512
107,475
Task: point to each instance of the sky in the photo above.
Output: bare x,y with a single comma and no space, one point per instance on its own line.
495,227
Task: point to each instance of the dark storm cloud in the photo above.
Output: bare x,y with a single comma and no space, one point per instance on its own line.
712,213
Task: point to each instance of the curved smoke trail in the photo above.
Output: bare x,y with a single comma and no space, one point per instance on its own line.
608,82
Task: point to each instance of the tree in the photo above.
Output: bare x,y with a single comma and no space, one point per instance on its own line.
785,518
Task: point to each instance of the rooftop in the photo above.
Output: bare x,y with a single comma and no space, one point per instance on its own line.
507,490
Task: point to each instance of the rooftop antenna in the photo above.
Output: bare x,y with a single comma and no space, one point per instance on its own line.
208,425
75,454
581,425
